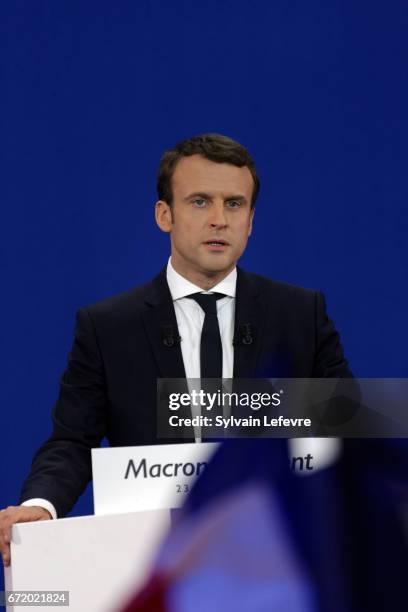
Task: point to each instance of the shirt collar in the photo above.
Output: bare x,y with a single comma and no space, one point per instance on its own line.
181,287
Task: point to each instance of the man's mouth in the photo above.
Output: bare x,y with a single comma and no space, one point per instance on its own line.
216,244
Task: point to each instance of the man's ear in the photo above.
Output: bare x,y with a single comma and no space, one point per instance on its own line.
164,218
251,220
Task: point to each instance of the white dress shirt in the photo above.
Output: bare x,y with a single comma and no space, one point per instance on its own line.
43,503
190,319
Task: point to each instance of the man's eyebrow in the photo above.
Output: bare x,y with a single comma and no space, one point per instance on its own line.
208,196
240,198
199,194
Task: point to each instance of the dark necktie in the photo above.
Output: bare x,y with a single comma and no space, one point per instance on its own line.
210,347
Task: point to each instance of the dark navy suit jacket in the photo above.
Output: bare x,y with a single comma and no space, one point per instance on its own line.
109,386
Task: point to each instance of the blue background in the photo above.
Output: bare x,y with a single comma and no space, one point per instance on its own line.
91,95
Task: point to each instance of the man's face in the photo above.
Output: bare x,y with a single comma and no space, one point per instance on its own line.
210,219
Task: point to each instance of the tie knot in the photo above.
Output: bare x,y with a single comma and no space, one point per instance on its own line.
207,301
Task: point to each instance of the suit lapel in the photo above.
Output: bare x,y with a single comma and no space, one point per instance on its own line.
158,316
248,311
160,313
160,322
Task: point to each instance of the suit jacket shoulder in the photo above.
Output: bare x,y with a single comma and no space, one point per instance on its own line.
133,301
296,337
271,288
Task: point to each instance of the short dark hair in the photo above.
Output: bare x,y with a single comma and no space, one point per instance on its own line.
216,148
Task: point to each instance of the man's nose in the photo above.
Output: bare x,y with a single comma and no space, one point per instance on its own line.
217,216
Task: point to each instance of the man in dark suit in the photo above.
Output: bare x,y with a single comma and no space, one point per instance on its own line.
207,189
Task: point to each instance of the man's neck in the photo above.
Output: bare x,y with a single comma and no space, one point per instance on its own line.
206,281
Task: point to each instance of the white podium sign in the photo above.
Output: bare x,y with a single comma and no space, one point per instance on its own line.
134,478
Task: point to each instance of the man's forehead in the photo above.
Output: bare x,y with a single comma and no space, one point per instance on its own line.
197,173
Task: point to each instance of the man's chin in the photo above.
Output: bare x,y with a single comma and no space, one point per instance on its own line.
212,267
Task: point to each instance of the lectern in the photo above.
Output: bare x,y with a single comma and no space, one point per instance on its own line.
97,561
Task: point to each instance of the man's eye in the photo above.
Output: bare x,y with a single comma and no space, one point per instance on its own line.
233,203
199,202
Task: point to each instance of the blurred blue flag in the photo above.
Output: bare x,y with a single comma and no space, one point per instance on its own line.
254,536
